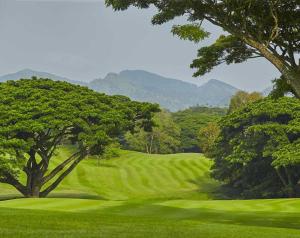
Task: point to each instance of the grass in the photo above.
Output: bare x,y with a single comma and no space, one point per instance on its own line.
139,195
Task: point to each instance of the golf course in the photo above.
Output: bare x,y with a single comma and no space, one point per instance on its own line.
141,195
150,119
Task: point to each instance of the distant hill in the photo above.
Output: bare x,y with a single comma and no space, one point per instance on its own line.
141,85
28,73
170,93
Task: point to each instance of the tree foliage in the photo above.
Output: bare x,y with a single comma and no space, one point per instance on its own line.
241,99
207,137
193,32
38,115
257,151
256,28
191,121
163,139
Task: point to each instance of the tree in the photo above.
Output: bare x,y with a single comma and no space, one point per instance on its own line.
257,151
241,99
191,120
268,29
111,151
38,115
163,139
207,137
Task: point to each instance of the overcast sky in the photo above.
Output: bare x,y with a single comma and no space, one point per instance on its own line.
83,40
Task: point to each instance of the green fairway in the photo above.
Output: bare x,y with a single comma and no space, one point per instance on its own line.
137,176
139,195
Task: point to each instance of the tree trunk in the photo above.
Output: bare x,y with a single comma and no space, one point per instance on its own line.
34,184
151,143
293,79
36,178
291,73
291,186
34,192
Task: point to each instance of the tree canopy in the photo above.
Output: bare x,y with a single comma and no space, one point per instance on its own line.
257,151
241,99
190,121
38,115
207,137
268,29
163,139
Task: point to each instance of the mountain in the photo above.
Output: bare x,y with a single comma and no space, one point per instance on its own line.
28,73
170,93
143,86
215,93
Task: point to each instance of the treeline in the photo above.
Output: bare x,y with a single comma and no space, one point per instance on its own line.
190,130
191,121
174,132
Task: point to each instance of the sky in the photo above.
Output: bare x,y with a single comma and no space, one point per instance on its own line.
84,40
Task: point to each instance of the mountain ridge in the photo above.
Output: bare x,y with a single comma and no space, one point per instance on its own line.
140,85
28,73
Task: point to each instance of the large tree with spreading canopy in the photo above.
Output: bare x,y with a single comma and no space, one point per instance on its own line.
39,115
256,28
258,149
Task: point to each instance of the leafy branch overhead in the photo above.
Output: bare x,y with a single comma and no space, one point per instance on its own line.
192,32
269,29
227,49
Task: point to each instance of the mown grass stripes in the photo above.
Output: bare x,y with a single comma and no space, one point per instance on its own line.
140,195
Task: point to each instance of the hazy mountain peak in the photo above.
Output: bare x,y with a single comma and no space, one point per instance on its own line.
172,94
218,82
26,71
141,85
111,76
29,73
138,74
136,71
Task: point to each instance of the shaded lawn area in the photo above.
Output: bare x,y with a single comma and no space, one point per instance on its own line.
181,218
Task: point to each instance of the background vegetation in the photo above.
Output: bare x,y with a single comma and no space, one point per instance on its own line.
258,150
164,137
191,121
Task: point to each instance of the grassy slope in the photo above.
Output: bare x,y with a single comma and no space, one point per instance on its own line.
141,176
145,196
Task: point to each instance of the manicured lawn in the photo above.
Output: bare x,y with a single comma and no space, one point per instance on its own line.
138,195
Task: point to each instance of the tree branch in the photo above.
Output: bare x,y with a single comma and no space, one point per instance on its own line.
59,168
9,179
61,177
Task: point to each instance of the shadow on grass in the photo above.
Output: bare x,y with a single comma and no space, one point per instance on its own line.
10,197
214,189
205,215
106,165
76,196
57,195
153,211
